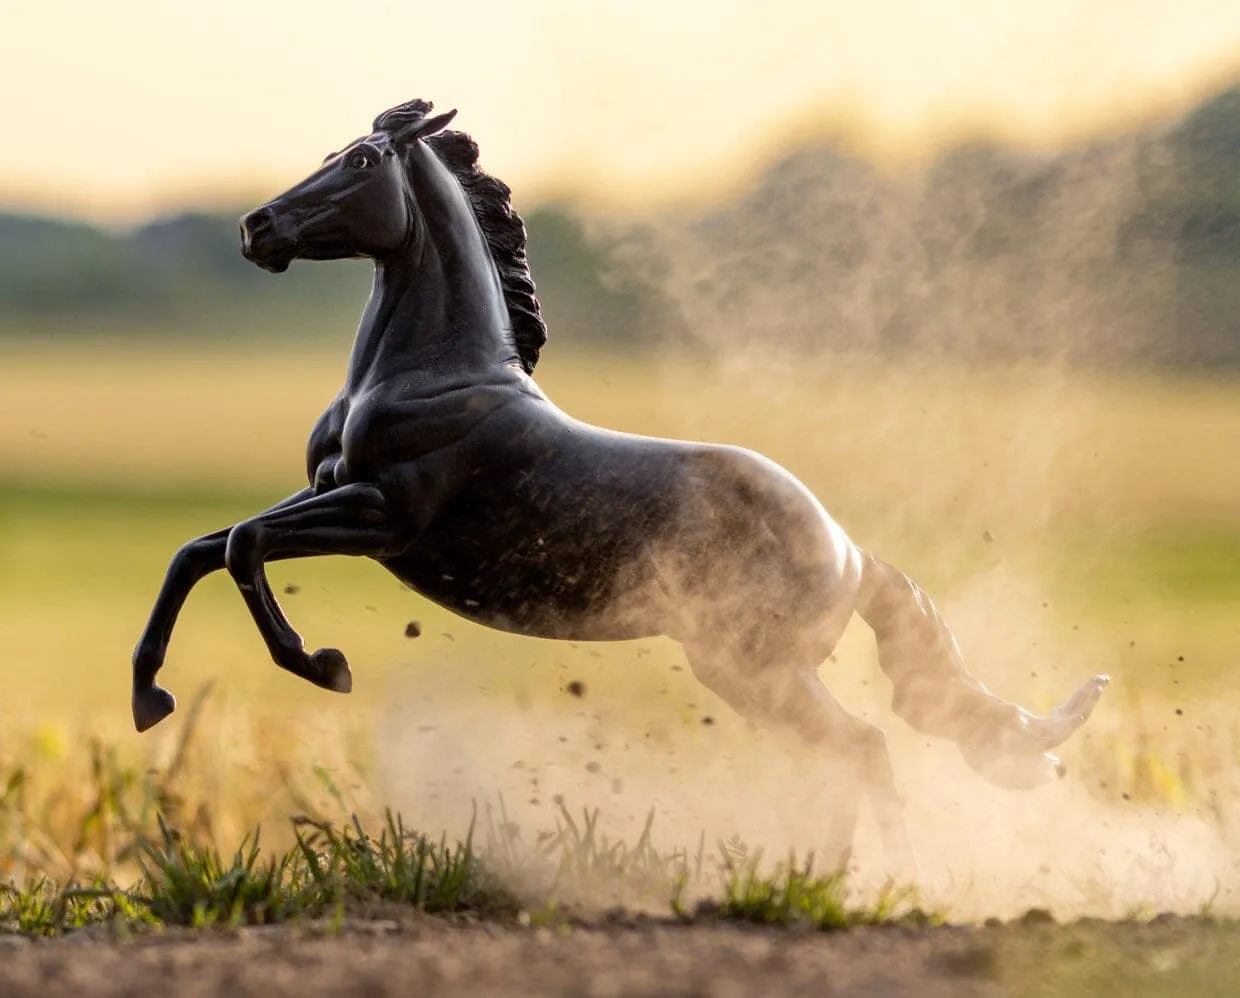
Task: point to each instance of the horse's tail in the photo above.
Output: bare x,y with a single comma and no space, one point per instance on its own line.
936,694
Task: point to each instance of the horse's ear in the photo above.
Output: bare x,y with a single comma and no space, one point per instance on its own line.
424,127
436,124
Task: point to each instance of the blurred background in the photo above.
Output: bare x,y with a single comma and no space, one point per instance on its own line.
970,270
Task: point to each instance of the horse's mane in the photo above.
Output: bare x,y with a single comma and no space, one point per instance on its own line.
501,225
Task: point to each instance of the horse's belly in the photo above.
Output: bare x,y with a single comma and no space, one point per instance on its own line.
523,596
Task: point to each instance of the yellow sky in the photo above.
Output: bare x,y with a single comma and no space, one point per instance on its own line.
116,109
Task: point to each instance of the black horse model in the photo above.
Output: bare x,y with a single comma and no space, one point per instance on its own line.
442,459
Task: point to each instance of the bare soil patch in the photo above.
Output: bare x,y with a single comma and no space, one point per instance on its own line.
411,954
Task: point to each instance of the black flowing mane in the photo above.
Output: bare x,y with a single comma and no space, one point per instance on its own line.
502,227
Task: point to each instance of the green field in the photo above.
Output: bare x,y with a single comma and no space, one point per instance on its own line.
1067,522
1115,500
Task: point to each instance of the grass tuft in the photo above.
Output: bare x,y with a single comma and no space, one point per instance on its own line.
401,866
590,865
188,884
45,909
794,894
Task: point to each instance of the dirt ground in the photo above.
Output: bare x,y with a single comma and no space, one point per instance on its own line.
413,955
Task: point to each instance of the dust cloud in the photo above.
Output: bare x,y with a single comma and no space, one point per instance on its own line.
1076,848
985,255
919,351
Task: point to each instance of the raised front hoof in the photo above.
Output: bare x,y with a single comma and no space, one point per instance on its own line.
330,669
151,705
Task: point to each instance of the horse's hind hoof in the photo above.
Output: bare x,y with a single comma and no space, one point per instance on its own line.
1062,723
330,670
151,705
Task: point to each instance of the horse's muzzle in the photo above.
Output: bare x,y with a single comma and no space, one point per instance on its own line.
262,242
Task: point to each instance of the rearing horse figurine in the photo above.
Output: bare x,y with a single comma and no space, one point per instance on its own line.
441,459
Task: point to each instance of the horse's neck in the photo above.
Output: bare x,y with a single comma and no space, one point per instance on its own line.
437,311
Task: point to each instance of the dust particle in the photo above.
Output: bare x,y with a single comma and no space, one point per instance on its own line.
708,720
577,688
291,590
593,767
1179,712
988,537
413,629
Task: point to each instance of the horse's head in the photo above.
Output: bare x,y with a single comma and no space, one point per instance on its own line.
357,204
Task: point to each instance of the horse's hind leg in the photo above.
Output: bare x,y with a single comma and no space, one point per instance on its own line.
936,694
794,699
193,561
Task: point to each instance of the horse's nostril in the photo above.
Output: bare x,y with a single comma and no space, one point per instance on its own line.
257,222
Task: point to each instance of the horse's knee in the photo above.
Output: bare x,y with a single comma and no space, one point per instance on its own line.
239,552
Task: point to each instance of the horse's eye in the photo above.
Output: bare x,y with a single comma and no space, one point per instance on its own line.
359,161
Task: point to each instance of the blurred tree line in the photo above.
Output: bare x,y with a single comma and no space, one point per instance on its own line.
185,275
1121,249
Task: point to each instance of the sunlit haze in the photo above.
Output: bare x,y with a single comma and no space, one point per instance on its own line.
115,111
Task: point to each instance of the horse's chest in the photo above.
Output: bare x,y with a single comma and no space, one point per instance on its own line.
362,436
348,439
376,434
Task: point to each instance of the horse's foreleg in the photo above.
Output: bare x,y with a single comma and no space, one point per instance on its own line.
193,561
351,520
